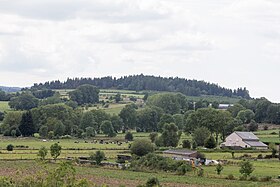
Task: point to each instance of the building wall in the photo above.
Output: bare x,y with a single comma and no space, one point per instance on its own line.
235,140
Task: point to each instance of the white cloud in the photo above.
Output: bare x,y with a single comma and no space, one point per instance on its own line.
222,41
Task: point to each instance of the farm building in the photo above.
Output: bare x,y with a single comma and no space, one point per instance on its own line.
180,154
240,140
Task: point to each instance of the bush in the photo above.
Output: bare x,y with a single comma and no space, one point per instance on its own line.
42,153
36,135
156,162
98,157
200,173
186,144
128,136
253,126
253,178
210,142
55,150
120,161
153,136
152,182
246,168
141,147
219,168
10,147
265,127
194,145
243,178
182,170
260,156
230,177
265,179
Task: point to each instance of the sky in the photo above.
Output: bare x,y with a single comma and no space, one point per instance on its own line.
234,43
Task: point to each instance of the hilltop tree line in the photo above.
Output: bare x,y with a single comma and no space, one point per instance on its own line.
142,82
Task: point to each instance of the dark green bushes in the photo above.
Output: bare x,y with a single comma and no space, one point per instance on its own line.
155,162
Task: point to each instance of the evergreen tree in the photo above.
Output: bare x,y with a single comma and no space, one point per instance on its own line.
27,127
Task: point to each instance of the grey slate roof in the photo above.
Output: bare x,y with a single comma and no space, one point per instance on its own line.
185,152
255,143
247,136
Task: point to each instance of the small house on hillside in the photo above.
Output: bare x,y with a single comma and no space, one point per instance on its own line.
240,140
180,154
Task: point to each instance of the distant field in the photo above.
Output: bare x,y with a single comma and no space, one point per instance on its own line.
269,135
4,106
140,94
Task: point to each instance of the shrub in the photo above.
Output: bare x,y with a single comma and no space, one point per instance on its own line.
200,155
210,142
120,161
265,127
260,156
253,126
253,178
265,179
194,145
10,147
159,141
142,147
243,178
274,151
230,177
200,173
246,168
219,168
55,150
36,135
42,153
152,161
152,182
186,144
153,136
128,136
98,157
182,170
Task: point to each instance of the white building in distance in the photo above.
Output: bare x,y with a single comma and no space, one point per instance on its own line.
240,140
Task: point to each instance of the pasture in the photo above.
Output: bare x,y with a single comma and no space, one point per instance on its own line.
4,106
23,159
117,177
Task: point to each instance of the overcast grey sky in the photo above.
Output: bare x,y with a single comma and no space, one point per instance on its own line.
235,43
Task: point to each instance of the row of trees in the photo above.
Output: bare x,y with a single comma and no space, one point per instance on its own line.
142,82
85,94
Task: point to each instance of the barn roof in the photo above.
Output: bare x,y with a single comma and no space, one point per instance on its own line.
247,136
255,143
185,152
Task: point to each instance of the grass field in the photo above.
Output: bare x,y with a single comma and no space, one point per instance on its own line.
269,135
117,177
4,106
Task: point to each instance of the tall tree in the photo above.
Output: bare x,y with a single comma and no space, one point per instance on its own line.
129,116
24,101
170,135
27,127
107,128
85,94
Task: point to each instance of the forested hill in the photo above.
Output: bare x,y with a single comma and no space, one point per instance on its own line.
143,82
